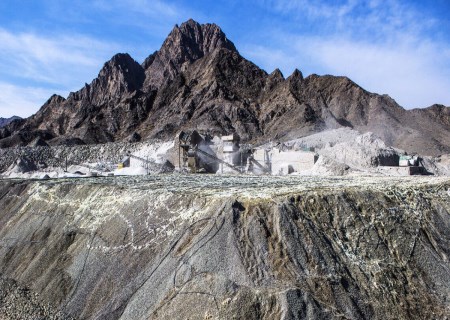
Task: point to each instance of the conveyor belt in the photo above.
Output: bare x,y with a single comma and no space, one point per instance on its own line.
220,160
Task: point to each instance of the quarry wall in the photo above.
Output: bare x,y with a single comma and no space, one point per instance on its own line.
177,246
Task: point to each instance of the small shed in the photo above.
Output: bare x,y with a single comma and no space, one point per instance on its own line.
286,162
281,162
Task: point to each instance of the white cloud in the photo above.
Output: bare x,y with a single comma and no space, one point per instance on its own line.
310,8
152,8
357,18
412,73
415,74
61,60
270,59
40,62
386,47
21,101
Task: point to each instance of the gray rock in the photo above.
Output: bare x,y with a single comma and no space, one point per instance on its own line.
23,164
135,137
167,167
38,142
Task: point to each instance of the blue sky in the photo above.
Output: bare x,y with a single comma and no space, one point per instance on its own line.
395,47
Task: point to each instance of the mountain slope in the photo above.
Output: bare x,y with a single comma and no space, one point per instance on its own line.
199,80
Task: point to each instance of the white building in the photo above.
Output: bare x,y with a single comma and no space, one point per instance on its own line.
280,162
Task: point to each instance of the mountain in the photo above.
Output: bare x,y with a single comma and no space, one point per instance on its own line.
5,121
198,79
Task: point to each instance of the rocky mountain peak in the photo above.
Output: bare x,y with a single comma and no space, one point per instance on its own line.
124,64
437,112
185,44
273,79
119,76
55,99
191,41
440,108
199,80
53,103
295,80
277,74
296,76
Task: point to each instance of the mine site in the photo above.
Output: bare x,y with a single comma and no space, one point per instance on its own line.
195,185
337,152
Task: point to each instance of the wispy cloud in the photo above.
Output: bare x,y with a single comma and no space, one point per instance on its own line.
141,24
31,65
385,46
353,16
410,72
313,9
51,59
270,58
153,8
21,100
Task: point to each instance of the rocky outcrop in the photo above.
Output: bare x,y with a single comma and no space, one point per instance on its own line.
177,247
5,121
198,80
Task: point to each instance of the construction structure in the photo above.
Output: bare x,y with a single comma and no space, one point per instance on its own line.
195,154
231,154
281,161
407,166
259,161
198,153
149,165
408,161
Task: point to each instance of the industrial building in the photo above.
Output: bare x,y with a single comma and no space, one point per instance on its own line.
407,166
200,153
282,162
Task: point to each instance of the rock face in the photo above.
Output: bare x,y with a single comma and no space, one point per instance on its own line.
170,247
198,80
119,76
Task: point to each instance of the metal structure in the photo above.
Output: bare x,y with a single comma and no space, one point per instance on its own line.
216,159
196,153
252,162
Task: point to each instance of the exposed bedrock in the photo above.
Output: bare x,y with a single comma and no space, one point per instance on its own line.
182,247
